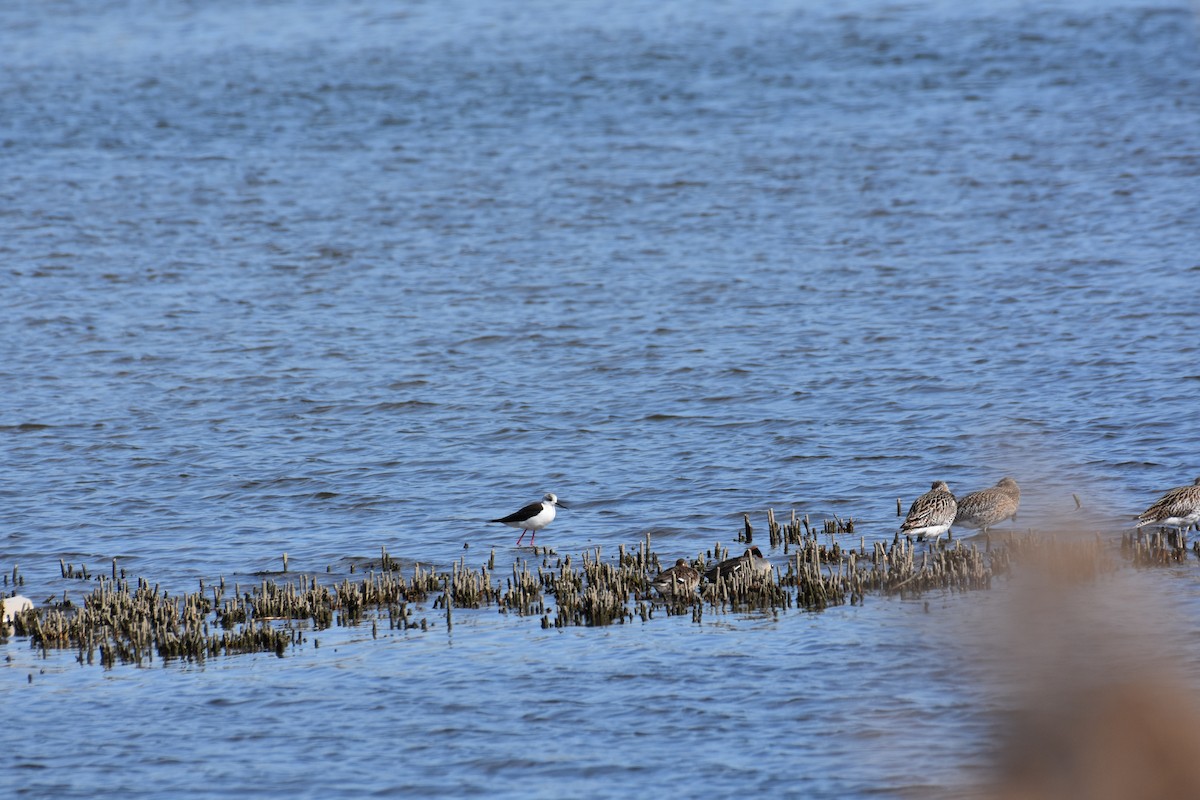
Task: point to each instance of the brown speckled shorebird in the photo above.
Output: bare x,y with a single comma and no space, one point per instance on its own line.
750,562
931,514
989,507
679,579
1178,508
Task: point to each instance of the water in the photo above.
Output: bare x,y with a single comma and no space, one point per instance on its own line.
320,277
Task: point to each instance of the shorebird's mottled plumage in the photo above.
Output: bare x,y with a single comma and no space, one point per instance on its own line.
989,507
751,562
931,514
532,517
679,579
1178,508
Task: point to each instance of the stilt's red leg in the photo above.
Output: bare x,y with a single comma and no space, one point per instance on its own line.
531,538
522,536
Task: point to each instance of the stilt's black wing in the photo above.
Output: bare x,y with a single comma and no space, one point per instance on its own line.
531,510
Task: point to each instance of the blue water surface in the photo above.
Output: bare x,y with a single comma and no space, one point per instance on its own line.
325,277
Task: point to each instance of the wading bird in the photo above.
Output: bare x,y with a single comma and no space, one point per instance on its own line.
532,517
931,514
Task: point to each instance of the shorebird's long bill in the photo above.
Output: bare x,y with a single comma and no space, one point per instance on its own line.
561,504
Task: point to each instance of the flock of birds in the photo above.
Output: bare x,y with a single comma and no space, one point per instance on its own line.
934,512
929,516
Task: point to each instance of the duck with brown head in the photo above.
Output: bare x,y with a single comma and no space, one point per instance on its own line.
680,580
751,562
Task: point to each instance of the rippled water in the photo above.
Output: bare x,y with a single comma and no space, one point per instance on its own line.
318,278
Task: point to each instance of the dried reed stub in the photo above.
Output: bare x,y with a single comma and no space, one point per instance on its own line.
600,592
957,568
745,590
786,533
797,530
523,591
118,623
1157,548
1069,558
69,571
747,534
121,622
386,562
472,589
826,575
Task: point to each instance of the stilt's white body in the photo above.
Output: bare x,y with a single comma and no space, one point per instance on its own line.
13,605
535,523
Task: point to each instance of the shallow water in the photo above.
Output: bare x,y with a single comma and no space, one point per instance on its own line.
318,278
